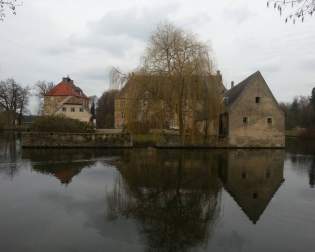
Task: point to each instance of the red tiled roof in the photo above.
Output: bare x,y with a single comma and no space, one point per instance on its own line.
66,88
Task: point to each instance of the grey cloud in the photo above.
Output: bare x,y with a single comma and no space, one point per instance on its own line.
135,23
238,14
94,73
59,50
118,31
308,64
269,68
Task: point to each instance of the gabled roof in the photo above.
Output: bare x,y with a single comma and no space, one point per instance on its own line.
235,92
66,88
253,208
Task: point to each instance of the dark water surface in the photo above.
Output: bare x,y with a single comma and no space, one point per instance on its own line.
157,200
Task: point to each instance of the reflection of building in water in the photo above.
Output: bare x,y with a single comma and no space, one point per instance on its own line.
64,172
173,195
252,177
65,164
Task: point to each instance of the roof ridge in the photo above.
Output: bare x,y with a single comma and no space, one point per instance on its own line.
233,93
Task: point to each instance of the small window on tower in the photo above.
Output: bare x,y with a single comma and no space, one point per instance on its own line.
257,99
269,120
244,175
245,120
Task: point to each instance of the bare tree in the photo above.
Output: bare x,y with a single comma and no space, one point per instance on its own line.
13,100
10,5
43,87
293,9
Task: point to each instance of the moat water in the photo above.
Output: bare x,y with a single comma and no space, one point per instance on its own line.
157,200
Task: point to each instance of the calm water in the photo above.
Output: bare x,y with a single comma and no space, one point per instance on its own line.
157,200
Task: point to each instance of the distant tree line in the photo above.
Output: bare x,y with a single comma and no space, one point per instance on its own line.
300,113
105,111
14,100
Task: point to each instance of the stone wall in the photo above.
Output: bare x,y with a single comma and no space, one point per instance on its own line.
73,140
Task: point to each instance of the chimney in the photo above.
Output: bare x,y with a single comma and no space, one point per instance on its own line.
232,84
219,76
66,79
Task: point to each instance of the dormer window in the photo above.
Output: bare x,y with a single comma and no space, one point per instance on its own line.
257,99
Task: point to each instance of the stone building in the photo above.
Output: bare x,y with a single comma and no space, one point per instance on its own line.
252,117
249,115
68,100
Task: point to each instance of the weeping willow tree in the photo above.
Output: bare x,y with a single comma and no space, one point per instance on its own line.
8,6
186,65
174,87
293,10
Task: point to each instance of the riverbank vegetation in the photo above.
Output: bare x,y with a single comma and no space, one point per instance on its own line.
300,115
60,124
105,111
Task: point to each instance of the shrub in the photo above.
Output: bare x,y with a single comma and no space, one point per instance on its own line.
60,124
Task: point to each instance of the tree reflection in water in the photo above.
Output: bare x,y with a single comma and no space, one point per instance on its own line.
9,154
302,154
174,196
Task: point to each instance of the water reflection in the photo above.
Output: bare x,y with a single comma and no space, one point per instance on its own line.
252,177
151,200
174,196
10,153
302,154
65,164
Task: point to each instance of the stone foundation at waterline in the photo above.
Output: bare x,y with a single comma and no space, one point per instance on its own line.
75,140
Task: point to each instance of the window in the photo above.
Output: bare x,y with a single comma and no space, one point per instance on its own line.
245,120
244,175
122,115
72,109
255,195
81,109
268,174
64,109
257,99
269,120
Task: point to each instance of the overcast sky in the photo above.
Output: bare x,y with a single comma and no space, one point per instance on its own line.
49,39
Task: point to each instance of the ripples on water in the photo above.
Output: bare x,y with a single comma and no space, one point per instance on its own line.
156,200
